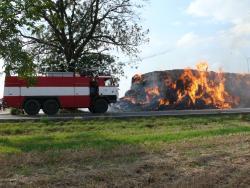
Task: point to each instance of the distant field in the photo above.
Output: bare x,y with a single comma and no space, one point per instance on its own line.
202,151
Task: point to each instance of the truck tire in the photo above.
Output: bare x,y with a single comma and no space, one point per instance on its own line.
51,107
32,107
100,106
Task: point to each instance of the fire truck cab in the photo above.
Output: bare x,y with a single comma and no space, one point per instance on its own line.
60,91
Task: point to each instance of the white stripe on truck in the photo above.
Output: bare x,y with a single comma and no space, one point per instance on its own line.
46,91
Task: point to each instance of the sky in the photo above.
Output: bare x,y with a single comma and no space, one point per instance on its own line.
189,31
185,32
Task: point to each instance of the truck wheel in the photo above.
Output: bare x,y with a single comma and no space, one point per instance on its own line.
50,107
100,106
32,107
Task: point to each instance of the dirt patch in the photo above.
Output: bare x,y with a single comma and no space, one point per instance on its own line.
214,162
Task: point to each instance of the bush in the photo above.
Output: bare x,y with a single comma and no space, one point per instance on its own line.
16,111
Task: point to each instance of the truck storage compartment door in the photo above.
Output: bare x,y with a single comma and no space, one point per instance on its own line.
12,95
82,95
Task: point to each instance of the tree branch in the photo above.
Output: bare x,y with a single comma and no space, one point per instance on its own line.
92,31
40,41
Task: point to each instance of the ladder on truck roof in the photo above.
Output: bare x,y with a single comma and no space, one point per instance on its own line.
60,74
85,72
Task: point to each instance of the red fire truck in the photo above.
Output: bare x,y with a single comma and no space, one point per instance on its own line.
60,91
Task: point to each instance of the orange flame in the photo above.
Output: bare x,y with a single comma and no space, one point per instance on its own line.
151,93
202,66
154,91
137,78
197,86
164,102
200,87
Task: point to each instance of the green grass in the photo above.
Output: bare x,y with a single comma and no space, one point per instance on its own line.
108,134
143,152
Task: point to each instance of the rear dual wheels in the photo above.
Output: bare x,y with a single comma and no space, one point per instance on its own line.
33,106
99,106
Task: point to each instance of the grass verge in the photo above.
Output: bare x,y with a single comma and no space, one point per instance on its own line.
173,151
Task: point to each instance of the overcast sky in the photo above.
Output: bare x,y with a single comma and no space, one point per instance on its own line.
184,32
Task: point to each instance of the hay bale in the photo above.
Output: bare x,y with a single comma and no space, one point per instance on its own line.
236,85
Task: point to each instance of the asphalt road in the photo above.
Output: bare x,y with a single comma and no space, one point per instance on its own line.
87,116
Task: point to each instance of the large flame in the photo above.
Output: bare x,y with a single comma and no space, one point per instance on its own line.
200,88
193,87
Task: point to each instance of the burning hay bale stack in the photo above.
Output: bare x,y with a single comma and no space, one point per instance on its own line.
187,89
